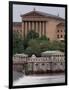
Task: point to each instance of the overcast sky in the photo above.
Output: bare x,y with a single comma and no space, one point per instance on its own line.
22,9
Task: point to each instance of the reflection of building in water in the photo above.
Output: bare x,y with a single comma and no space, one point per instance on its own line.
43,23
50,61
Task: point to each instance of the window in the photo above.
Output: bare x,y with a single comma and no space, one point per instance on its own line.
61,63
57,36
60,55
43,64
57,30
55,63
36,64
20,30
61,30
61,36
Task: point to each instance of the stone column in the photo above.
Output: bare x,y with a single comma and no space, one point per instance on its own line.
40,29
29,26
43,28
33,26
23,31
36,26
25,28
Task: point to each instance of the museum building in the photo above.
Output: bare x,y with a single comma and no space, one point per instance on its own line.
43,23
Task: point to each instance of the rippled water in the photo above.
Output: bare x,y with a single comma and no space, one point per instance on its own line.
32,80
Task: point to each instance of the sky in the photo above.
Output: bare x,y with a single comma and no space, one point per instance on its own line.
22,9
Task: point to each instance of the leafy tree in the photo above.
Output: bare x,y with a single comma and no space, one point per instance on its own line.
32,35
33,47
56,45
44,45
33,44
17,43
25,43
28,51
44,38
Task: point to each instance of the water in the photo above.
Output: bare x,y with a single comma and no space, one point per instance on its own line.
42,79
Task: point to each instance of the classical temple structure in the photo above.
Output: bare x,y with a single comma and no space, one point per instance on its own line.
43,23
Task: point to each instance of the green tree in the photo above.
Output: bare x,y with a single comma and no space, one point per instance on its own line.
25,43
44,38
32,35
17,43
33,44
44,45
56,45
28,51
33,47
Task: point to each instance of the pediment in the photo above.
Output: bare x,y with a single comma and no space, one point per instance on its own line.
61,24
33,14
38,14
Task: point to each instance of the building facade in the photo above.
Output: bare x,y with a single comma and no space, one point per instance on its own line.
49,62
45,24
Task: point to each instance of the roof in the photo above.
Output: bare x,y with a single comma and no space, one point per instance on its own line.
56,52
33,56
21,55
61,23
42,14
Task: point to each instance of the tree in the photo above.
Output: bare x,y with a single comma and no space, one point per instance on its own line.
33,47
28,51
44,38
33,44
25,43
44,45
17,43
32,35
56,45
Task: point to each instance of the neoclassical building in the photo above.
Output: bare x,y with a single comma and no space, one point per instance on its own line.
49,61
43,23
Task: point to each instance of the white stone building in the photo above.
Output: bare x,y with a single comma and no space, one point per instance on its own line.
50,61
